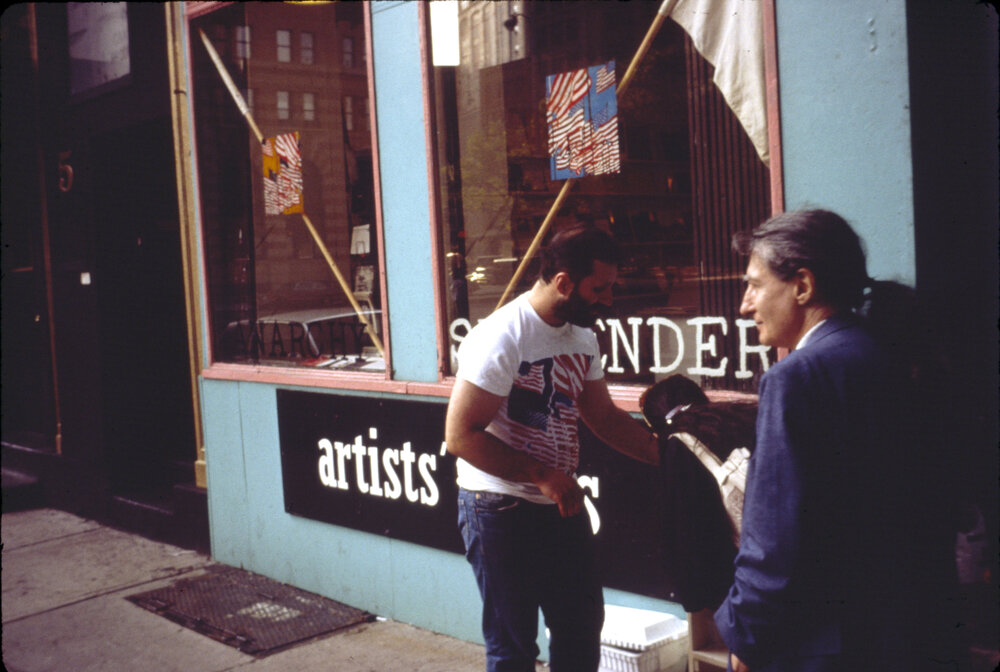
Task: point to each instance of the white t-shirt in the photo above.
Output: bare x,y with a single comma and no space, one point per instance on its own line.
539,370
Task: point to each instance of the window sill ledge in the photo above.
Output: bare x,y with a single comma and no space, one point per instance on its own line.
343,380
625,396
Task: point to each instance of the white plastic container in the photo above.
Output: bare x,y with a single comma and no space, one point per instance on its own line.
640,640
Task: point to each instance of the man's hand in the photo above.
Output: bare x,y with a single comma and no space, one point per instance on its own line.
737,664
469,412
562,489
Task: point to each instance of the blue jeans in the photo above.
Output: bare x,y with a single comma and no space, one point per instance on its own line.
525,557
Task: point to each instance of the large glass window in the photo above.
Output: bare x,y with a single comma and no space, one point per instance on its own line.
526,96
288,216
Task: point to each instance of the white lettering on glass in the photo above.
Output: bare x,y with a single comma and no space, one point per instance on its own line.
701,345
656,323
669,340
631,347
591,483
761,350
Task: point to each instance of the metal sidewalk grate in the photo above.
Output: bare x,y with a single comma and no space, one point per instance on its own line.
247,611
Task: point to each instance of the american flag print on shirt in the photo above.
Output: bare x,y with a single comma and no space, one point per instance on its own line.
282,175
541,411
582,116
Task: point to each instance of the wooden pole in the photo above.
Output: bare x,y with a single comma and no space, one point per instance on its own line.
533,248
231,85
647,41
187,219
343,284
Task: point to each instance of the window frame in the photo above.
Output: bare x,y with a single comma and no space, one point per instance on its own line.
241,43
308,106
625,396
282,49
283,104
212,369
347,52
309,48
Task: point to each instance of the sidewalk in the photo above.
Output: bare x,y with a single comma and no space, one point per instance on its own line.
65,581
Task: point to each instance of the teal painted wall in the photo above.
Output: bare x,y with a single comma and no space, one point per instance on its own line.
403,174
250,529
845,121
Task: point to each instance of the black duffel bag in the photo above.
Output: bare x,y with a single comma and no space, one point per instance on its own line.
700,536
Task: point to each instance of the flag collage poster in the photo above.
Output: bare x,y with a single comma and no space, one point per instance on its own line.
283,175
582,116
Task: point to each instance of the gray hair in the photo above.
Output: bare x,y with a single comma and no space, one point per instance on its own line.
819,240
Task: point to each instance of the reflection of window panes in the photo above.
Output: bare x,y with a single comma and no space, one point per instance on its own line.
283,38
689,178
242,42
308,106
282,100
306,48
348,47
348,113
273,298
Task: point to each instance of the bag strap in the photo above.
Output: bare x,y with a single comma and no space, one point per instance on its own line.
704,455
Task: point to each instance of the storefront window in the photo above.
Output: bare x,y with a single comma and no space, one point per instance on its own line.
288,215
526,96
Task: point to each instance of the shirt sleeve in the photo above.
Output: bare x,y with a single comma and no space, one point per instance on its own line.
596,370
488,359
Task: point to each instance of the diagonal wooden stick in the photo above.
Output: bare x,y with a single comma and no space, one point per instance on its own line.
231,85
343,284
654,28
245,110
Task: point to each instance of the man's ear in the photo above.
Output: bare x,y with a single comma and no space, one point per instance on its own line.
562,283
805,286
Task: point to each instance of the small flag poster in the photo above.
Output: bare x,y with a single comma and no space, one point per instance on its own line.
282,175
581,112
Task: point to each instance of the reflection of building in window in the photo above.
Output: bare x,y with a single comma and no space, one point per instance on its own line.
306,48
309,106
283,38
684,158
261,266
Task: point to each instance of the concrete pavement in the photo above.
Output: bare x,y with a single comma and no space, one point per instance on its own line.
64,586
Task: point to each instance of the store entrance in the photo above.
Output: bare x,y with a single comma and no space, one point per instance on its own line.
149,444
97,394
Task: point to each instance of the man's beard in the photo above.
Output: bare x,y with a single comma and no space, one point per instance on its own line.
576,310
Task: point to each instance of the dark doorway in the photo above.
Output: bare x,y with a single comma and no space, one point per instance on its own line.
145,375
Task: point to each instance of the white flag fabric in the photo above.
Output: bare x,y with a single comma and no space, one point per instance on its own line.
730,35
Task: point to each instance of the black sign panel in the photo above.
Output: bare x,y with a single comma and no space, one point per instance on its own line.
375,465
379,465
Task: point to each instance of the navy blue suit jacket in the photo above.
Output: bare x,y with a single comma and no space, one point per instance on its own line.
825,577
